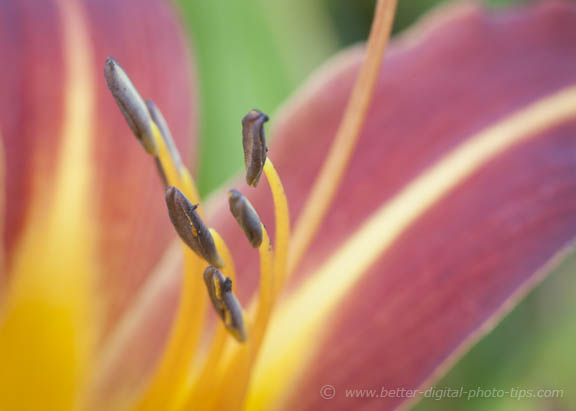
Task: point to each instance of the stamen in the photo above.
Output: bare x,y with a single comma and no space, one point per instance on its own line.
282,224
191,228
131,104
204,382
149,125
225,303
254,144
246,216
240,365
160,121
272,278
170,383
161,171
189,187
169,380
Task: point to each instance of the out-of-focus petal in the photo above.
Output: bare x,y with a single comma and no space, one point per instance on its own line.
124,361
127,193
31,103
452,75
457,265
448,279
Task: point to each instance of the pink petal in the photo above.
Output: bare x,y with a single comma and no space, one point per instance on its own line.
460,264
145,38
456,79
456,268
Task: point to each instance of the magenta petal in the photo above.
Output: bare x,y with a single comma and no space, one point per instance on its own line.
153,51
450,273
484,243
447,79
460,263
144,36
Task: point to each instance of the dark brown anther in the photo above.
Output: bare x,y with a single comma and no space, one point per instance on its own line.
254,143
160,121
246,216
191,228
225,303
131,104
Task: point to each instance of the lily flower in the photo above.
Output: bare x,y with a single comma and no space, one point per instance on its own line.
402,209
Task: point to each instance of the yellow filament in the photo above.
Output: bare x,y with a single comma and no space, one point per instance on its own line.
265,293
272,276
190,190
178,177
208,375
171,375
300,318
328,181
170,379
166,161
282,225
236,379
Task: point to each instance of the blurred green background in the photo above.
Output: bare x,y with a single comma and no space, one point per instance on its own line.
254,54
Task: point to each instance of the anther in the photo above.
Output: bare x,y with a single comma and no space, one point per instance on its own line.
190,227
225,302
160,121
131,104
246,216
254,143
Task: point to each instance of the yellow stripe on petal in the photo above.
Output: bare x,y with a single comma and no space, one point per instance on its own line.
48,330
301,318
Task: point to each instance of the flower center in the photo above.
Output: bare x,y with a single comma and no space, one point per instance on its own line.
227,364
227,367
